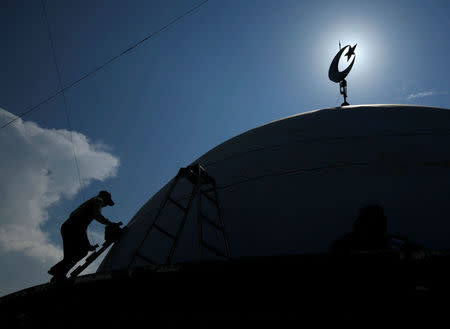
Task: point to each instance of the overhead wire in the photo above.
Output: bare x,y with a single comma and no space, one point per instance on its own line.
66,105
35,107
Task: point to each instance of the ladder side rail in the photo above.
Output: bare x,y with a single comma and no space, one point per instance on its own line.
199,223
219,211
218,226
180,228
163,204
90,259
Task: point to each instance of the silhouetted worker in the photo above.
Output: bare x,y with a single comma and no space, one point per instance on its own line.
369,232
74,233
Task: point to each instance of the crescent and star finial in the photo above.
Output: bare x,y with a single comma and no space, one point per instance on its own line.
339,76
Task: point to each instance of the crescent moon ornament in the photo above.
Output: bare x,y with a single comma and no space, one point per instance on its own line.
339,76
333,73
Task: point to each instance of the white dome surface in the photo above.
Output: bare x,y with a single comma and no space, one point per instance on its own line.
296,185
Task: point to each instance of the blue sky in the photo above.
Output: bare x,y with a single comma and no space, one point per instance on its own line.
224,69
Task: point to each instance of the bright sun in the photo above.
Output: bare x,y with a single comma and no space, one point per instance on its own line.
367,50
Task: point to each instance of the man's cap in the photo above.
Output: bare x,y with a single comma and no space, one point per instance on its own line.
106,196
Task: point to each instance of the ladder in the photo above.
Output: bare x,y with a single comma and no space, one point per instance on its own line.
94,255
90,259
203,187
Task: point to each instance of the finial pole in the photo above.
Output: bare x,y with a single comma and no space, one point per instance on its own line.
343,90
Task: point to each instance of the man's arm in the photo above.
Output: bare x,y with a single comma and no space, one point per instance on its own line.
98,213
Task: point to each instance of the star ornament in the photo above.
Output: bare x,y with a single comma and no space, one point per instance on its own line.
350,52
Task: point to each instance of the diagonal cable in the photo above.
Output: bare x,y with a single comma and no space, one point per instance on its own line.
35,107
66,106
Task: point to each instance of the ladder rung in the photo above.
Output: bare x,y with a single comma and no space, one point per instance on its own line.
210,221
209,198
146,259
214,250
164,231
177,204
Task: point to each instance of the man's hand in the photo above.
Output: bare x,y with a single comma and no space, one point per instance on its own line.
92,248
113,232
114,223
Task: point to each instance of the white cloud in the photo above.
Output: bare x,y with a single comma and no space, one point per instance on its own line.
422,94
36,171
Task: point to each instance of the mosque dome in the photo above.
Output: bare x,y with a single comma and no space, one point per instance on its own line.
295,185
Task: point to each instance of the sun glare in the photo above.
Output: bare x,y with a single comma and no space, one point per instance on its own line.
367,39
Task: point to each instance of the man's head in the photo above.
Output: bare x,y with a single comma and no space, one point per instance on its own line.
106,197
